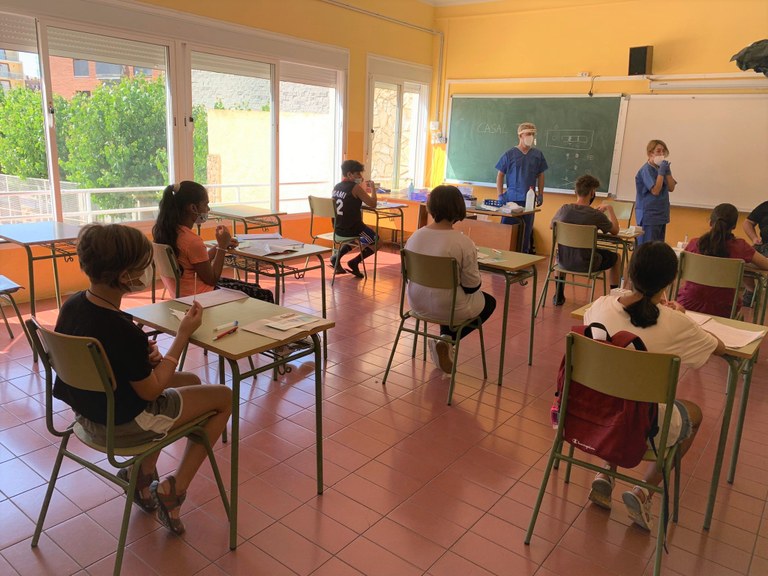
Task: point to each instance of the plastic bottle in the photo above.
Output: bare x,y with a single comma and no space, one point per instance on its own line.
530,199
410,190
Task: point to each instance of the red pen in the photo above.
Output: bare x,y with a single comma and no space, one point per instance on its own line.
230,331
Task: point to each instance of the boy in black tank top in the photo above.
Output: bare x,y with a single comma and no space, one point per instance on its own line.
349,196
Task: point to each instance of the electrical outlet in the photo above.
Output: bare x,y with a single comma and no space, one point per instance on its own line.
583,74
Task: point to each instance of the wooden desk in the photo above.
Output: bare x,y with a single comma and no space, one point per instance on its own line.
627,240
514,247
249,259
386,211
57,237
252,217
240,345
740,360
515,267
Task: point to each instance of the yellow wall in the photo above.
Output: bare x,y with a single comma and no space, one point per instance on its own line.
560,38
320,22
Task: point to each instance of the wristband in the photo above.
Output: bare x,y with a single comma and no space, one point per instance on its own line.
172,360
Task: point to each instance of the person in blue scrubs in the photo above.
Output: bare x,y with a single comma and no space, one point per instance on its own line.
653,183
523,166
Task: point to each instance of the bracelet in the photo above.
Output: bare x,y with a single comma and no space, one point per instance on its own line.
172,360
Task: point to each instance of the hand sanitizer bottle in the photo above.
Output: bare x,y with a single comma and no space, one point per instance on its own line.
410,190
530,199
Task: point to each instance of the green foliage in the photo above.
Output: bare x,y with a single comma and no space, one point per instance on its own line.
22,137
200,143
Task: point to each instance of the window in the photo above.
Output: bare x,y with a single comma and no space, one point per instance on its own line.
310,134
139,71
80,68
232,148
112,137
25,187
2,54
397,121
5,71
397,139
105,70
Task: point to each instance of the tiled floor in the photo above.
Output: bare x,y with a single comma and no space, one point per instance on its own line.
412,486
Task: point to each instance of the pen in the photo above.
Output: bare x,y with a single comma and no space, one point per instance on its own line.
496,251
226,326
194,292
230,331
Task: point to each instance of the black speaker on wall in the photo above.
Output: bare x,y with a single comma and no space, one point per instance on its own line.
640,59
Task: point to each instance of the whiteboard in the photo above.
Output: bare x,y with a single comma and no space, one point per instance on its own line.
718,147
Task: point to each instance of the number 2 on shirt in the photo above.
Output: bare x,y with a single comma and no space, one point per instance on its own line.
339,206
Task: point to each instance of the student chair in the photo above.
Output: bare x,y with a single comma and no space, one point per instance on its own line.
7,288
82,362
645,377
325,208
624,209
579,236
711,271
166,267
439,273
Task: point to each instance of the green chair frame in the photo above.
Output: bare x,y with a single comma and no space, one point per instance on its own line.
82,362
321,207
7,289
573,236
440,273
645,377
711,271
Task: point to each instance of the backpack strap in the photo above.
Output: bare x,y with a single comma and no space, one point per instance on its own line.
623,338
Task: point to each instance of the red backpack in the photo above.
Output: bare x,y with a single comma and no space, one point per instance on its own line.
618,431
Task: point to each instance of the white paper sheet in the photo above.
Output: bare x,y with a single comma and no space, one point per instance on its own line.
730,336
214,297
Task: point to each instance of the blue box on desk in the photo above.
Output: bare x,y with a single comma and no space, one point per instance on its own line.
419,195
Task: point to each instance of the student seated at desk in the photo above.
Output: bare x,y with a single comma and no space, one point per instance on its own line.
349,196
151,398
446,206
663,327
182,206
581,212
719,241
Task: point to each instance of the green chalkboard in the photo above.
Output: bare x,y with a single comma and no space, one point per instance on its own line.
576,134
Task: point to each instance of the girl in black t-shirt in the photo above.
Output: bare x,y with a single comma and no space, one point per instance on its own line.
151,398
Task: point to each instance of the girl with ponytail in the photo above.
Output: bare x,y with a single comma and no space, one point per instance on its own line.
183,206
721,242
663,327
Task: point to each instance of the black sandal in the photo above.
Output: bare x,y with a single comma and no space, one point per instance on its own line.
143,482
168,502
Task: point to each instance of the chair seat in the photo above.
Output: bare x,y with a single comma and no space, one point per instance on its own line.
564,270
86,438
8,286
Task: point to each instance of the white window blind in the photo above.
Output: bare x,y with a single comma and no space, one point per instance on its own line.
228,65
18,33
86,46
312,75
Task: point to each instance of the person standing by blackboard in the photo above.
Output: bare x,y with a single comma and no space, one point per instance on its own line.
524,168
653,183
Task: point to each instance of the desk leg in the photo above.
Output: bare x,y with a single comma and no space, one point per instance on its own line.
533,317
378,245
325,309
31,288
508,280
742,414
318,413
55,276
762,300
234,448
734,367
277,282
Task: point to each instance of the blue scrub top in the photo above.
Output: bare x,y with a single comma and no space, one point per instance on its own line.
521,170
650,210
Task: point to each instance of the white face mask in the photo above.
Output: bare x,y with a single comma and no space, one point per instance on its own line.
657,160
142,282
202,218
528,141
358,181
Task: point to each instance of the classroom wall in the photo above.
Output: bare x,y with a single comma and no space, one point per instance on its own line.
561,38
321,22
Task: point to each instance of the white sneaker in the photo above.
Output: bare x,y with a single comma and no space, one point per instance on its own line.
639,510
602,487
441,352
